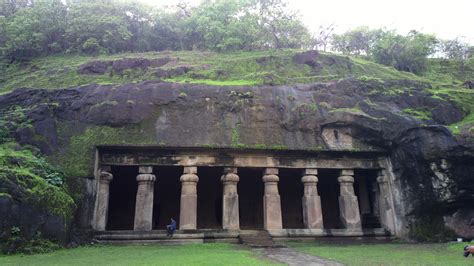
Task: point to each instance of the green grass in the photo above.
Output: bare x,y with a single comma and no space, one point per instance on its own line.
421,114
191,254
236,68
389,254
464,98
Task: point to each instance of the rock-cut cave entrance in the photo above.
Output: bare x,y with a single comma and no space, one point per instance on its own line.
366,190
166,199
209,201
123,191
250,189
291,193
328,188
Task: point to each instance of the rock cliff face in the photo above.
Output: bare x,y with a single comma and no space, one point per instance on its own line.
434,169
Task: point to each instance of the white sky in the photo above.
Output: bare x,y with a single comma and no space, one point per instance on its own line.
446,18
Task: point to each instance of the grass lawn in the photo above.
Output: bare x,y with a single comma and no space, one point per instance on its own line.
192,254
389,254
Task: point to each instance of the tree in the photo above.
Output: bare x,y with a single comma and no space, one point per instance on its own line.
406,53
322,38
357,41
280,26
98,25
454,49
10,7
37,30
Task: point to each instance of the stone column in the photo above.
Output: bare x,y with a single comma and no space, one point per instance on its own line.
386,218
271,200
103,201
188,208
230,199
144,202
312,213
348,204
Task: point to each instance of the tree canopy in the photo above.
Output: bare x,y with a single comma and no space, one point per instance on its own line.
43,27
31,28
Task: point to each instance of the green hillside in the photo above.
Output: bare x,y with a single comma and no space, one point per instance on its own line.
242,68
283,67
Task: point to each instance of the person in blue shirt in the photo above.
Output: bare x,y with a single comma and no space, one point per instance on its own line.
171,228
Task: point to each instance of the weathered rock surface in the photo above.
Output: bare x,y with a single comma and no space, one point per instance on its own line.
433,167
98,67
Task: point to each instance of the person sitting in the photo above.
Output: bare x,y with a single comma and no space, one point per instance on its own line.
171,228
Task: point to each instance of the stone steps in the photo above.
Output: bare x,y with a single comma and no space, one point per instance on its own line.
258,239
160,236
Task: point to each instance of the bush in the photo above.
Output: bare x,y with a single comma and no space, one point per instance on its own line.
92,47
16,242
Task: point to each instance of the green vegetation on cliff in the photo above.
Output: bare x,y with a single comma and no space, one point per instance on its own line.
237,68
31,179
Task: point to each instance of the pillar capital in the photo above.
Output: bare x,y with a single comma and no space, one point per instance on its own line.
230,178
345,179
192,178
146,178
309,179
106,176
270,178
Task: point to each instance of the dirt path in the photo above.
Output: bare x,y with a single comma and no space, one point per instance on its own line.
293,257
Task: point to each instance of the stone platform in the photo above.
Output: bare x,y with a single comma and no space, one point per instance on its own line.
230,236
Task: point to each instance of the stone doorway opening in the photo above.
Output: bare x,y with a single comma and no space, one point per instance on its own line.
209,201
250,189
123,191
366,190
328,188
166,199
291,193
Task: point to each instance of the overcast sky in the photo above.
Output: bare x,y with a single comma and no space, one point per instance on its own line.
445,18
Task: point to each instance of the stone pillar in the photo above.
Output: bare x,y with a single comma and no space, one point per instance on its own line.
144,202
386,218
103,201
188,208
348,204
312,213
271,200
230,199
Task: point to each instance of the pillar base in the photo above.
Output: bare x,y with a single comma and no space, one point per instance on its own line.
272,212
230,212
312,213
349,212
188,214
